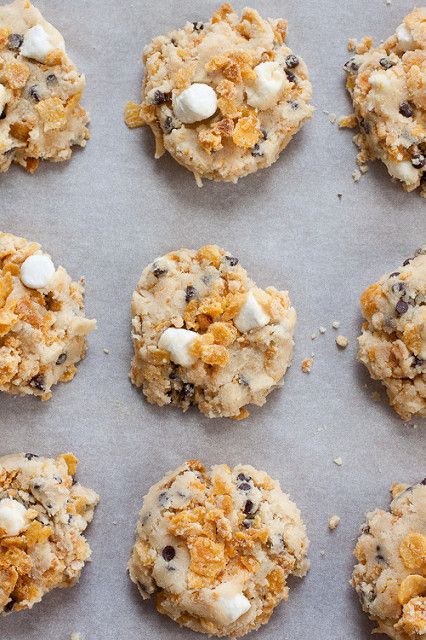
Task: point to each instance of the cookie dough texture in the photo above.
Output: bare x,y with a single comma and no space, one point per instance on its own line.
386,84
207,292
259,109
42,331
49,549
217,546
41,115
390,578
393,340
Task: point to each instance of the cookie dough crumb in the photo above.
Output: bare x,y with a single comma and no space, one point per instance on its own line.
322,330
356,175
106,351
348,122
307,365
322,553
338,461
342,341
334,522
76,636
335,324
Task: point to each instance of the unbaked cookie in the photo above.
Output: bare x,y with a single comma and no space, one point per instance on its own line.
386,84
390,578
216,547
223,97
393,340
40,90
204,334
42,325
43,513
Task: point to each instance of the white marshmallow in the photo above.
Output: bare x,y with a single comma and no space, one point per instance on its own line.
36,44
403,171
12,516
3,97
266,89
196,103
178,342
36,271
405,39
251,315
230,605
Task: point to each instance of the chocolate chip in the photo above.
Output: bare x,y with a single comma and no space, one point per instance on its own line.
243,478
401,307
246,524
15,41
168,125
264,134
379,555
51,79
398,287
417,362
168,553
365,529
160,97
423,481
365,125
191,293
407,261
420,252
244,486
243,380
232,261
9,606
3,113
158,272
292,61
406,110
418,160
351,66
386,63
62,358
248,507
187,391
290,76
38,382
255,151
294,105
30,456
394,274
34,94
198,26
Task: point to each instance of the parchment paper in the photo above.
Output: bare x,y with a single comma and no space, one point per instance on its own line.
113,209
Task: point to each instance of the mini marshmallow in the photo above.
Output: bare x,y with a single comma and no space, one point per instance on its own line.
36,44
405,39
3,97
12,516
269,83
251,315
196,103
36,271
230,605
178,342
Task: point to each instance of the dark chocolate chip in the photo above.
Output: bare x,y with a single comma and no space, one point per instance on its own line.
243,380
248,507
365,528
292,61
62,358
247,524
423,481
3,113
386,63
401,307
351,66
244,486
168,125
160,97
159,272
51,79
418,160
9,606
187,391
198,26
38,382
407,261
417,362
30,456
365,125
15,41
406,110
394,274
294,105
243,478
36,486
255,151
232,261
34,94
290,76
168,553
191,293
264,134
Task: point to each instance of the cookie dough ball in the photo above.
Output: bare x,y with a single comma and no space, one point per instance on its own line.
223,97
393,340
42,325
43,513
204,334
390,578
216,547
387,88
40,90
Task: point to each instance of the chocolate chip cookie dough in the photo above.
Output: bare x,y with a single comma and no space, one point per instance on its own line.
386,84
205,335
390,578
216,547
42,325
393,340
40,90
43,513
223,97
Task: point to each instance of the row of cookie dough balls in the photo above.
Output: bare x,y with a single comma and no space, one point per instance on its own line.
215,547
203,333
224,97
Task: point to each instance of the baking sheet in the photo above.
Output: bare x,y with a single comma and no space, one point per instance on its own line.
113,209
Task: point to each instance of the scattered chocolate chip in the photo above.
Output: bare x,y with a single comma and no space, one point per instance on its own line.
34,94
255,151
394,274
398,287
401,307
290,76
168,553
173,41
417,362
243,380
30,456
365,528
69,518
423,481
198,26
407,261
191,293
187,391
38,382
244,486
232,261
158,272
160,97
36,487
62,358
418,160
292,61
15,41
351,66
246,524
243,478
51,79
9,606
248,507
386,63
294,105
406,110
420,252
264,134
3,113
168,125
379,555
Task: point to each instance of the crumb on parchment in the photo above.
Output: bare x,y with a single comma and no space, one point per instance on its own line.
342,341
338,461
334,522
306,365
